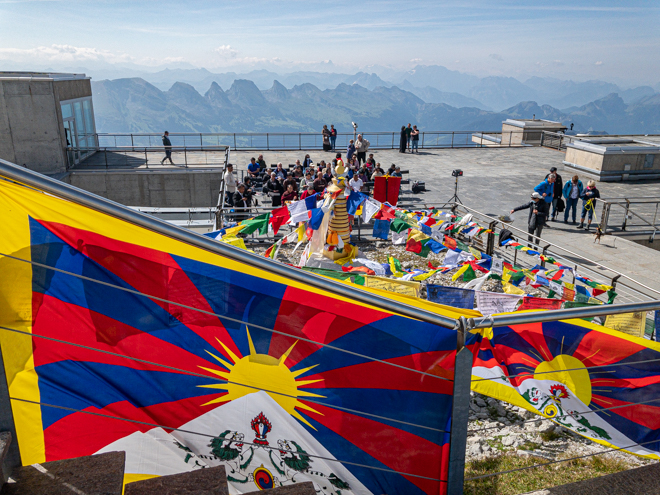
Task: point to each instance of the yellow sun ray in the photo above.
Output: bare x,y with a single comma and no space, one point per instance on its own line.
301,383
220,360
253,352
223,374
304,370
302,405
223,398
233,356
309,394
286,353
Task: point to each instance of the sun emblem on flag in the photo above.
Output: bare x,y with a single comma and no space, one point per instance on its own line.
254,372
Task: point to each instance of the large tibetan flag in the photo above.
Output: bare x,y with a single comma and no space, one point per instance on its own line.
116,337
600,383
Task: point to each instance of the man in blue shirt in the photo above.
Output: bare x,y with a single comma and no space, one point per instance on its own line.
547,188
253,167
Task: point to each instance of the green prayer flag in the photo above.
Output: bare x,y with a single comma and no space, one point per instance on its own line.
398,226
252,224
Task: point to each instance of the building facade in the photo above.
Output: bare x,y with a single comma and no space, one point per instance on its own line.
46,120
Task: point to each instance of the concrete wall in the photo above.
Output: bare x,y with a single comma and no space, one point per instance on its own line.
71,89
511,135
635,160
593,161
176,188
30,125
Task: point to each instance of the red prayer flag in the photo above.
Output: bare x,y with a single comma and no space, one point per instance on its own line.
539,303
279,217
450,243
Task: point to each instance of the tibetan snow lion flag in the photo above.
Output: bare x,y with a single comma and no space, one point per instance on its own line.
115,337
597,382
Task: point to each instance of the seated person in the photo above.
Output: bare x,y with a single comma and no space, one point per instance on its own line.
262,163
306,181
363,174
378,172
351,172
289,195
327,174
307,162
308,192
356,183
290,181
397,172
253,168
273,189
241,203
370,163
298,172
319,183
280,173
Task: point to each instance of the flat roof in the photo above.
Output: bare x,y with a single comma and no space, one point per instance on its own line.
535,123
49,76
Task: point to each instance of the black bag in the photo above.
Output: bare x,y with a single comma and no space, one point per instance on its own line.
505,235
418,186
561,206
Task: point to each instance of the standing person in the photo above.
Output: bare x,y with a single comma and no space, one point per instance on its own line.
230,184
408,134
361,146
168,148
274,190
547,190
350,149
538,213
557,192
415,139
326,139
241,203
402,140
572,191
589,198
333,136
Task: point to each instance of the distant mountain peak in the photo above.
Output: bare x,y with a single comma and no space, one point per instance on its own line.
277,92
245,93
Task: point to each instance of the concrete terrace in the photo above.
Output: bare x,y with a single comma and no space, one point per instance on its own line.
495,180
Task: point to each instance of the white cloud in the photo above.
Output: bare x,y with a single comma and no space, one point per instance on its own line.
65,53
496,56
600,62
415,60
226,51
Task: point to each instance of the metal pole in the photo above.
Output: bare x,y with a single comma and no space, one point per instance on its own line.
452,139
460,412
238,255
625,215
13,457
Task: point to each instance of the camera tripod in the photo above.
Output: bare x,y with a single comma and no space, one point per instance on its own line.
455,198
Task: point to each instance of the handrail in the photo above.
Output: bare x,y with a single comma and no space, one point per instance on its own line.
548,243
103,205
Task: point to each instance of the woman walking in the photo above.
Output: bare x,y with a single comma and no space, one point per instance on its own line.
589,197
403,140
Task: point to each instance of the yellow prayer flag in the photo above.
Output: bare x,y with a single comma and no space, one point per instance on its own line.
460,272
630,323
404,287
512,289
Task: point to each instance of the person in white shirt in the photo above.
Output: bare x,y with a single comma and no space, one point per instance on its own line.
361,147
356,183
230,184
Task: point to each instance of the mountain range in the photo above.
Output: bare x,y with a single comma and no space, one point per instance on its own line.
135,105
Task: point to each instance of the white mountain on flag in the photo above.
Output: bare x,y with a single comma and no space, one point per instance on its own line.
259,443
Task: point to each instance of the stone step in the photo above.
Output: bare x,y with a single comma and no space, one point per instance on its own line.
101,474
207,481
5,442
306,488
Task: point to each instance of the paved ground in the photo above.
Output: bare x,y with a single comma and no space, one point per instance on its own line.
495,180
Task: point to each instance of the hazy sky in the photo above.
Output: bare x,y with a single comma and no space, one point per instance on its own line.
615,41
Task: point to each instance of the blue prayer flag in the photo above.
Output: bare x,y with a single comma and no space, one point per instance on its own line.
381,229
450,296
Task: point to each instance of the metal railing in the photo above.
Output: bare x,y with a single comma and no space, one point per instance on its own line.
280,141
134,157
632,216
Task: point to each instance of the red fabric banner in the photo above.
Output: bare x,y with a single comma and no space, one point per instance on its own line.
539,303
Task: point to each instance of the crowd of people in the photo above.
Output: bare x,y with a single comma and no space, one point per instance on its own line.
552,196
285,185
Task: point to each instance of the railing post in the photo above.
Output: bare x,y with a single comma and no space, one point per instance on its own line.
299,140
490,242
185,155
423,139
234,140
460,411
105,152
267,142
625,215
605,217
452,139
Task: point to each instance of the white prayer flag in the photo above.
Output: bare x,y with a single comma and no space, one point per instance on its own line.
489,303
399,239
